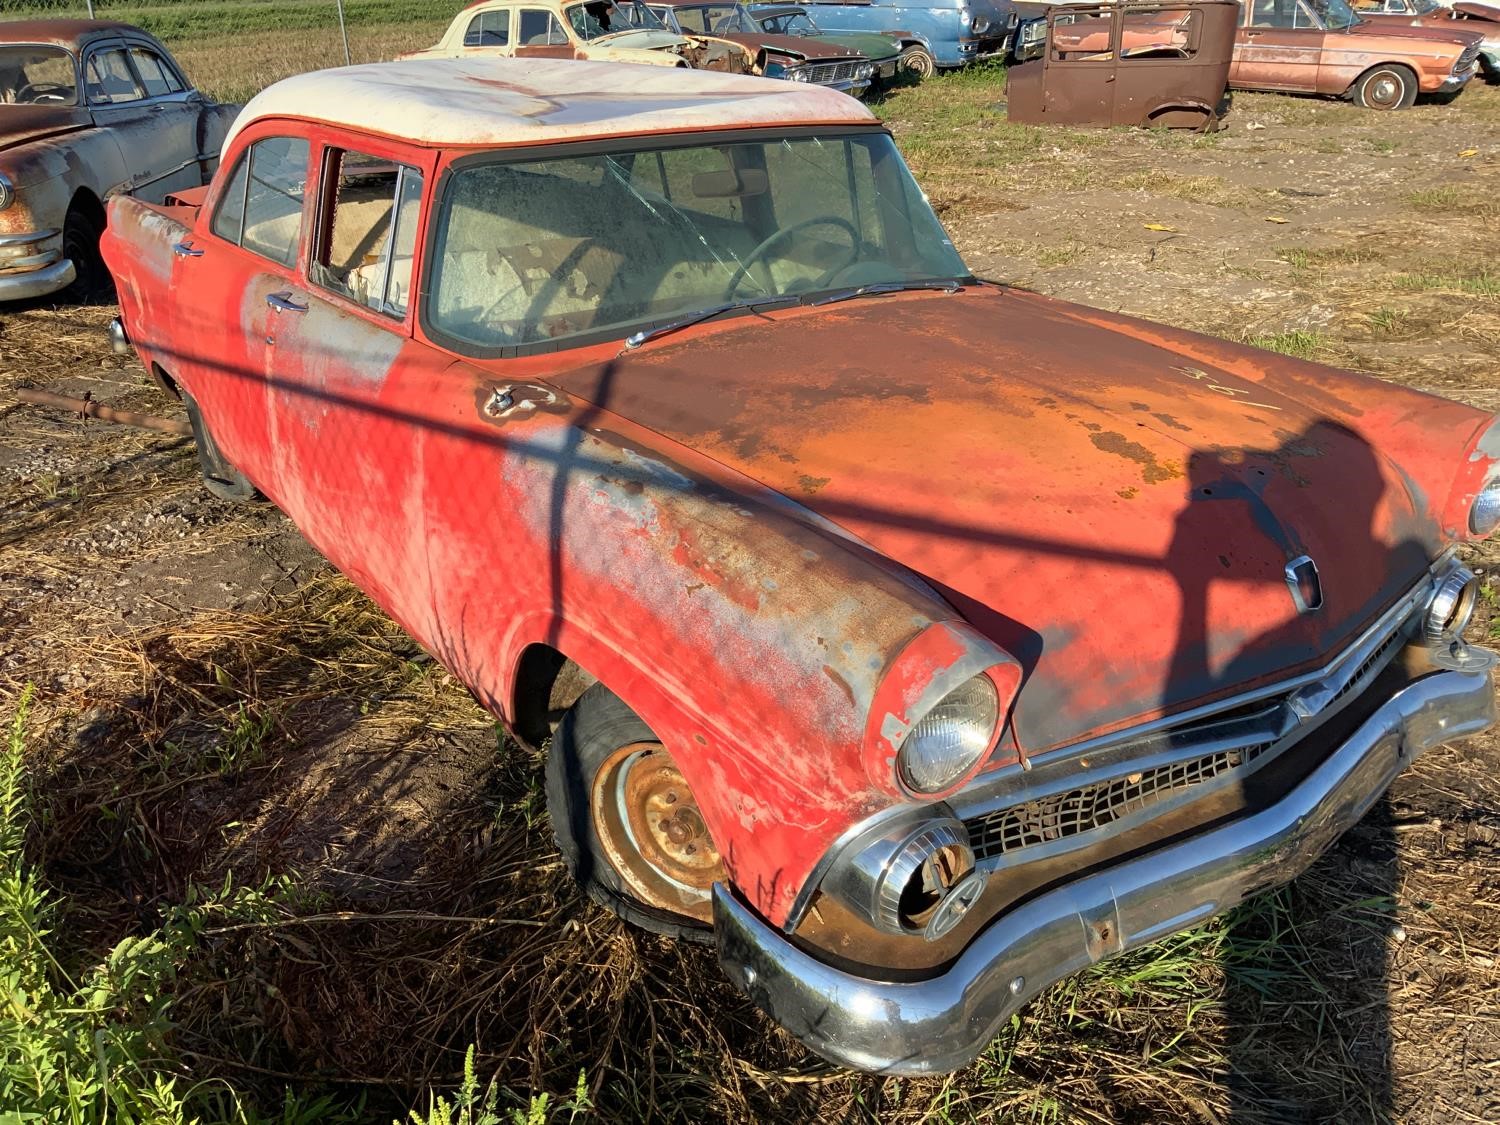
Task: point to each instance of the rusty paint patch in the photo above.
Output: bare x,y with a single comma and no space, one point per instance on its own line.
1153,470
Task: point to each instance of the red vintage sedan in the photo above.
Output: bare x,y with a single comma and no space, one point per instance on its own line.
917,639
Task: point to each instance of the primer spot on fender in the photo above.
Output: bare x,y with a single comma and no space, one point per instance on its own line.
893,731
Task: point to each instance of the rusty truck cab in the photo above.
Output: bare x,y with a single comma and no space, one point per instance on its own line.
1156,64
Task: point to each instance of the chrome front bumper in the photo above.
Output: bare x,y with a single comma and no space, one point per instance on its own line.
1457,81
31,268
940,1024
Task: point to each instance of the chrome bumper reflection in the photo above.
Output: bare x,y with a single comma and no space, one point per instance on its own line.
16,286
942,1023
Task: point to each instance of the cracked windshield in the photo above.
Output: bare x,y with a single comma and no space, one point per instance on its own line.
536,251
597,19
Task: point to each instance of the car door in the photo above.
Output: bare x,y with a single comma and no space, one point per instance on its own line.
148,117
348,388
1082,55
1277,47
229,280
540,35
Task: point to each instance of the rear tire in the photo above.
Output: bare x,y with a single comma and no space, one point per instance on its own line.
219,476
1387,86
626,822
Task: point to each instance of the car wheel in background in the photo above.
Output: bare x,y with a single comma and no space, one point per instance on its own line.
80,245
918,63
1387,86
626,821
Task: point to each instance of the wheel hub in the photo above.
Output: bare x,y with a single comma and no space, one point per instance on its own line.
653,832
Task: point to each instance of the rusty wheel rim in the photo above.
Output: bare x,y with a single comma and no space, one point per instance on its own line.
1386,90
653,832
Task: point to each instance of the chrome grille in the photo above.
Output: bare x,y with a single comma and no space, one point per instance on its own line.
824,73
1077,811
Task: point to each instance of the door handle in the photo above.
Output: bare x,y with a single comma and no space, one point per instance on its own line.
186,249
282,302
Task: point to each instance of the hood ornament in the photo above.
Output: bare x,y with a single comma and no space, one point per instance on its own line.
1302,580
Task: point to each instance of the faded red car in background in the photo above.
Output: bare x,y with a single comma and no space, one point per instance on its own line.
89,109
993,636
1471,15
1323,47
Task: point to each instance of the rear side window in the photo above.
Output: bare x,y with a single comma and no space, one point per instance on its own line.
539,29
368,236
156,75
261,208
110,79
1160,33
488,29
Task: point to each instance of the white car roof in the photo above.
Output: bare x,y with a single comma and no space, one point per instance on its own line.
499,101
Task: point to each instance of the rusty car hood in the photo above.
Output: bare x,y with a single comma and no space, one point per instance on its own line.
22,123
1117,516
793,45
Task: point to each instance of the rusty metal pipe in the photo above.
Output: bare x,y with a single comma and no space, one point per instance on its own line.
92,409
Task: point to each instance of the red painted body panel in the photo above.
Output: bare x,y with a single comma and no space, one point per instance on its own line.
746,552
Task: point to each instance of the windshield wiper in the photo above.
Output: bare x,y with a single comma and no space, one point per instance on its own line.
878,287
636,339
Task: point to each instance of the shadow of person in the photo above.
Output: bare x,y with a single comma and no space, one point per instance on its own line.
1308,1034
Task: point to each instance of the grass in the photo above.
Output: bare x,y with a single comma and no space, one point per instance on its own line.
1300,342
1482,284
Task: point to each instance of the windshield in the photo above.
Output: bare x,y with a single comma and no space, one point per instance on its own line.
709,19
600,17
789,23
529,252
37,76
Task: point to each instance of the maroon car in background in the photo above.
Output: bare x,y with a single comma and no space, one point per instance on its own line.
793,57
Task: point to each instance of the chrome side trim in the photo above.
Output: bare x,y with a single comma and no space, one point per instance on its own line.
940,1024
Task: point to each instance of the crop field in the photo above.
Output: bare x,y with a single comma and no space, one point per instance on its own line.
263,860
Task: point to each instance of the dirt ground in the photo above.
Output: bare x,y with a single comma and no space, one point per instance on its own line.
213,701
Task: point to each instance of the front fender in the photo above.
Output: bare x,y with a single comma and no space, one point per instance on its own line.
752,638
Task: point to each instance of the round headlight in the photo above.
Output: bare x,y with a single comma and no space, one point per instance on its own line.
7,192
1484,516
981,25
1451,607
797,75
946,742
866,70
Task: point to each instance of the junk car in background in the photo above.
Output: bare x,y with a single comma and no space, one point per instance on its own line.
602,30
1322,47
89,109
1160,65
890,52
1469,15
954,32
776,56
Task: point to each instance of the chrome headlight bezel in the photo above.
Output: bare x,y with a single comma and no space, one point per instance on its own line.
1484,512
1450,607
7,191
924,765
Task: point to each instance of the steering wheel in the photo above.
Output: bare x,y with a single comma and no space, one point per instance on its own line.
43,91
782,235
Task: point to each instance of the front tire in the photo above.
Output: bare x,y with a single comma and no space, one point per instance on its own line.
1387,86
918,63
80,245
626,821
